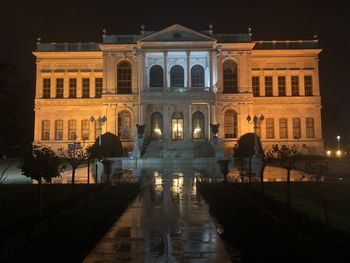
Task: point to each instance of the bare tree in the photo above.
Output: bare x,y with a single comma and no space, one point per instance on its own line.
3,174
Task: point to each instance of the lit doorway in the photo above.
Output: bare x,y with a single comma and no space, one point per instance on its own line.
157,125
177,123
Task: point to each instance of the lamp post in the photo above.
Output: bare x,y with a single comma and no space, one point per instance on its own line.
100,122
338,139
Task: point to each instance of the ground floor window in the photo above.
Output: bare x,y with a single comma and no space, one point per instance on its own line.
124,125
230,124
177,123
157,125
198,125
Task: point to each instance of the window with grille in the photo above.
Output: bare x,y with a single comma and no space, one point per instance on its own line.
268,87
281,86
72,129
308,85
197,76
256,86
46,88
230,124
98,87
124,77
59,88
58,130
283,128
310,130
124,125
85,129
86,88
296,128
295,85
45,130
72,88
270,128
230,77
156,77
176,76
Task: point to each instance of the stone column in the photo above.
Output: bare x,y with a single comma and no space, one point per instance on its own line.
188,60
219,71
315,80
53,87
274,83
165,72
190,121
92,86
66,86
288,84
141,71
211,59
79,86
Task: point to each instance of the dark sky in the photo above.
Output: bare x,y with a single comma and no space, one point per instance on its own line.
21,22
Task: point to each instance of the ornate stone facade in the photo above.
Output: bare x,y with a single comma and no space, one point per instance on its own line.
178,81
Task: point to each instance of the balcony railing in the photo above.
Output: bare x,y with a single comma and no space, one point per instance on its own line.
67,47
120,39
233,38
287,44
178,89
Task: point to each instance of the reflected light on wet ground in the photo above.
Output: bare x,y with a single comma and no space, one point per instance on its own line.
168,222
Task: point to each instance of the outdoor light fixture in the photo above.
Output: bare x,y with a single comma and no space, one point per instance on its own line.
338,153
100,121
328,152
338,139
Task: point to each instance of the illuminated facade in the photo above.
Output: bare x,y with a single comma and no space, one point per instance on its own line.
178,81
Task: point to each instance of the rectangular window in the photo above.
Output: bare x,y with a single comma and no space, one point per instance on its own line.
281,86
59,130
45,130
295,85
59,88
270,128
98,87
85,129
268,87
46,88
310,131
86,88
296,128
72,129
256,86
308,85
283,128
72,88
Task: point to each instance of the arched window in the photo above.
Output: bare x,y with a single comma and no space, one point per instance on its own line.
177,126
85,129
176,76
198,125
197,76
230,77
157,125
124,125
156,77
124,77
230,124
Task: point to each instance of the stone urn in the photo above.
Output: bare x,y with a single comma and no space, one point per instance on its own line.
224,168
215,129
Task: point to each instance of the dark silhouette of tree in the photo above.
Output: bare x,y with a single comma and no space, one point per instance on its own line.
110,147
41,163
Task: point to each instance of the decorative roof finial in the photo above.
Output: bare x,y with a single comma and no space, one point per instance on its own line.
142,28
104,32
38,40
211,31
250,31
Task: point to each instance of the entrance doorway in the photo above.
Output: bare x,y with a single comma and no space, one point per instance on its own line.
177,123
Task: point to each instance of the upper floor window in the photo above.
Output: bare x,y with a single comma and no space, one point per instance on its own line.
72,88
156,77
256,86
197,76
308,85
45,130
85,129
59,130
177,76
295,85
268,87
98,87
283,128
124,125
230,77
270,128
124,77
230,124
310,130
281,86
59,88
296,128
46,88
72,129
86,88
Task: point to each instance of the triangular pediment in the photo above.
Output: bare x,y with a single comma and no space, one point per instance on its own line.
176,33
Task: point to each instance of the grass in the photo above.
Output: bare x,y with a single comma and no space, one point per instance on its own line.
306,197
70,228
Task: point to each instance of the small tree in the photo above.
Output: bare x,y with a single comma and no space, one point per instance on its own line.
41,163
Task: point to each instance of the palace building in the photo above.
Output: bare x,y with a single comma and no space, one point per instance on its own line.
177,82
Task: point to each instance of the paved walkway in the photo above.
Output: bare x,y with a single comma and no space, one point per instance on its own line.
168,222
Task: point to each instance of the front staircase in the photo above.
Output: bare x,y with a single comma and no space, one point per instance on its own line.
179,149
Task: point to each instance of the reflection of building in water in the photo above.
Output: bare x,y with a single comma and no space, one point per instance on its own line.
178,81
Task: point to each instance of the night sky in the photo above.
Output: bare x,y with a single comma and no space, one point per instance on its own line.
21,22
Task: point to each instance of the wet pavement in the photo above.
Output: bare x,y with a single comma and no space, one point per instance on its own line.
168,222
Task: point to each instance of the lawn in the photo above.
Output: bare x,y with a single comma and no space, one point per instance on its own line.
306,197
71,225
